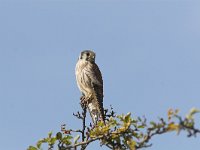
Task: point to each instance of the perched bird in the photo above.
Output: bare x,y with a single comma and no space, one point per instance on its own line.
90,83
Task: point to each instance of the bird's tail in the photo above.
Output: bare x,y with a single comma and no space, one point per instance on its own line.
95,113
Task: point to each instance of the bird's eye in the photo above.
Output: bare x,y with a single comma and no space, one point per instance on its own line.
88,54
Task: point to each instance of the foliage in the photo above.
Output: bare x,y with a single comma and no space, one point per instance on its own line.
120,131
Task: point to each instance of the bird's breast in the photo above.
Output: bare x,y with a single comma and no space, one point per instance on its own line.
83,80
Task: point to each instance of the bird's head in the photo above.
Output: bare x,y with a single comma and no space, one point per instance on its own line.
87,55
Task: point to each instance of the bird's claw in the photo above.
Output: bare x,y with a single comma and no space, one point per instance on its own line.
82,98
83,101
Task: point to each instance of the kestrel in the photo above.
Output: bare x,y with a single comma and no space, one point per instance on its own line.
90,83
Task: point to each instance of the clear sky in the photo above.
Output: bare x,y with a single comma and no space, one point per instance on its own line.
148,52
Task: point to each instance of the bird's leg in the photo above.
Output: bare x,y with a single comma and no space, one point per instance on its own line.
89,98
82,98
83,101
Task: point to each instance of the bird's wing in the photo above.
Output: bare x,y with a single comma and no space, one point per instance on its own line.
95,76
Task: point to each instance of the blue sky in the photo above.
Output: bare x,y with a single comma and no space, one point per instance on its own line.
148,52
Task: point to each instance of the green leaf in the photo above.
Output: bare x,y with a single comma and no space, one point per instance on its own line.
59,136
136,135
76,138
66,140
32,148
105,129
134,121
153,123
139,119
50,134
172,126
112,122
131,144
190,115
52,141
120,117
39,143
100,123
141,126
127,118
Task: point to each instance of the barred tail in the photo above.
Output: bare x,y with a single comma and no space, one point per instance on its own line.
94,113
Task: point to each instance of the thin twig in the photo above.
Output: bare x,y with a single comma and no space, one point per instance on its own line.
84,126
83,143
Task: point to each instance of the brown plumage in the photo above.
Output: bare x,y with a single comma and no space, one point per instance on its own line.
90,83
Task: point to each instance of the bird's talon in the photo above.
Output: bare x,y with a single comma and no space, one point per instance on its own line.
82,98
